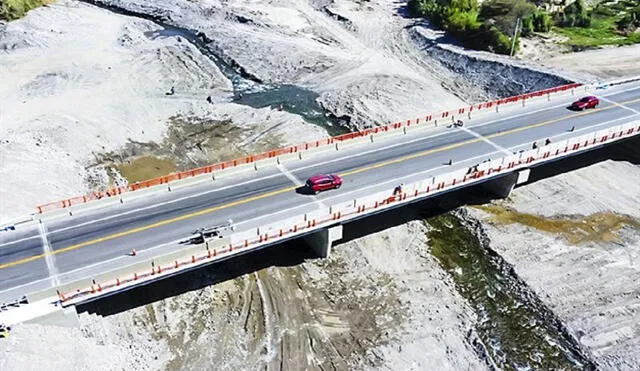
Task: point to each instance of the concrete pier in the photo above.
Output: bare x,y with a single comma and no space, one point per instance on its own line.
503,186
322,240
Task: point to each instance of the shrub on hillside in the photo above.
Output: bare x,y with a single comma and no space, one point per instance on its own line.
461,18
574,15
539,21
15,9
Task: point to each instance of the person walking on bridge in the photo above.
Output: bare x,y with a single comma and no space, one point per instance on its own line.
397,190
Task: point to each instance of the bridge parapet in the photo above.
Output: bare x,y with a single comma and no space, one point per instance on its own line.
298,152
340,213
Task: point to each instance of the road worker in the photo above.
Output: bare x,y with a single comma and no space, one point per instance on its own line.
398,189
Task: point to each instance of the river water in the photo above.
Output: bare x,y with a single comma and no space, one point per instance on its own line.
256,94
518,330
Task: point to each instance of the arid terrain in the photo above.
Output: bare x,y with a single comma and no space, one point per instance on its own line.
502,284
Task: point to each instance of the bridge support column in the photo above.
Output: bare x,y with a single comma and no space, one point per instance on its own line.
321,241
503,186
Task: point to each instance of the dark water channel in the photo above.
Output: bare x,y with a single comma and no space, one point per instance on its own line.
518,330
250,91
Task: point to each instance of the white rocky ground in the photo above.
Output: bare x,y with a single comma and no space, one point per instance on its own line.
606,63
70,90
106,345
591,286
77,79
104,81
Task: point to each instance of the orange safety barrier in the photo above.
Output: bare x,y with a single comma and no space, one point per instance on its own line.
277,152
99,287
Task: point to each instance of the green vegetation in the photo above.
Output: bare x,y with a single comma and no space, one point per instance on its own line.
15,9
609,23
598,227
145,167
518,331
539,21
491,25
486,27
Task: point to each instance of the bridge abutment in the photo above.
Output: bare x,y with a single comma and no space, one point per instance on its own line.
322,240
503,186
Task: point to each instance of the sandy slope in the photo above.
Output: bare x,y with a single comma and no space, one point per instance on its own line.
78,80
605,63
592,286
381,301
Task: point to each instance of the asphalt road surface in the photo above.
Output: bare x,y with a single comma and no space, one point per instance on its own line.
37,255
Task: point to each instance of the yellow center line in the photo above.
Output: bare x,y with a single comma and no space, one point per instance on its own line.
289,189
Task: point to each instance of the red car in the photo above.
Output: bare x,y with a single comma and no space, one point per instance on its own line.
586,102
318,183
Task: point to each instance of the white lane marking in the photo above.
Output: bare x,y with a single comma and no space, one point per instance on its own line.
512,150
296,169
360,189
224,188
307,204
291,177
48,256
298,183
121,257
621,105
515,147
486,140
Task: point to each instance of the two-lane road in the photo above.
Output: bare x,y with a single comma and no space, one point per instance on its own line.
106,234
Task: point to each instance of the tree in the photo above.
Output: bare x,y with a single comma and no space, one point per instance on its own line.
575,15
503,13
539,21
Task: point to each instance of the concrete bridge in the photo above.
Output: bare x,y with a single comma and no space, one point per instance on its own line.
77,250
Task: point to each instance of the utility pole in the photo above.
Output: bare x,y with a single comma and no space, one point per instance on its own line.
515,34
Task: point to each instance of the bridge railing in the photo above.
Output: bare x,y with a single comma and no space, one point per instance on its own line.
338,213
296,151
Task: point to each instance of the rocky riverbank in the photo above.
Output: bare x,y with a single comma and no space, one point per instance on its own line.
405,297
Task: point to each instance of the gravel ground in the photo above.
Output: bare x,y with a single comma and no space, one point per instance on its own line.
98,88
591,284
381,301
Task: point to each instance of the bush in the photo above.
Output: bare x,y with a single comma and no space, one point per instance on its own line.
15,9
541,21
574,15
461,23
630,22
461,18
503,13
